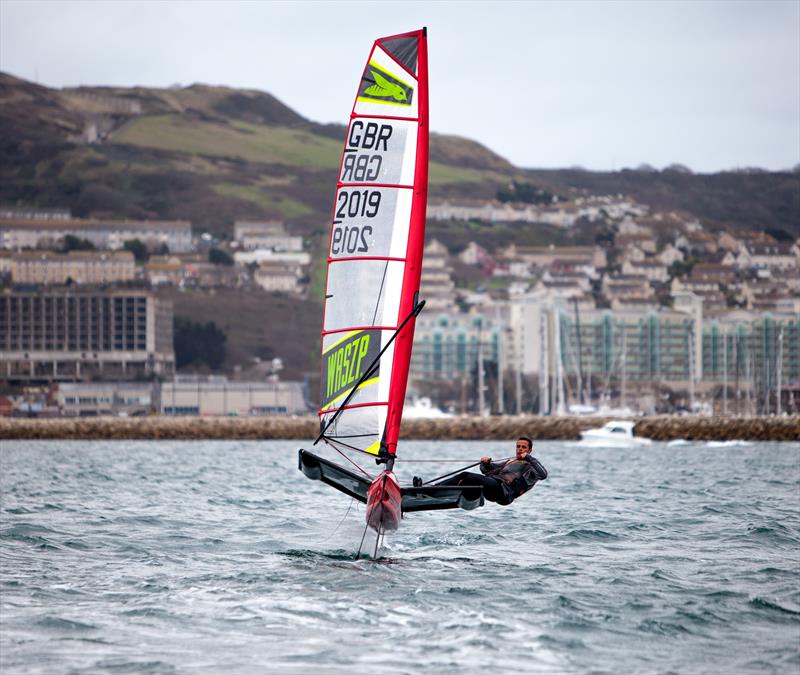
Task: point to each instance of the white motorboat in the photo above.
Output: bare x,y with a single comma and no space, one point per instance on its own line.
613,434
423,408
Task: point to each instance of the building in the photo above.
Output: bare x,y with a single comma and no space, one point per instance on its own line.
22,233
215,395
776,257
447,345
436,283
279,277
542,257
271,235
627,286
72,334
33,213
164,270
653,269
93,399
80,267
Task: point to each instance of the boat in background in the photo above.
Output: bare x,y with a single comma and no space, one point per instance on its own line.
613,434
422,408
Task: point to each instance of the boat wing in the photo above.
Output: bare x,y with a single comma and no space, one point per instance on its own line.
436,497
425,498
317,468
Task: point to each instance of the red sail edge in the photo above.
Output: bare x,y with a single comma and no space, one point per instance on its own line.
416,243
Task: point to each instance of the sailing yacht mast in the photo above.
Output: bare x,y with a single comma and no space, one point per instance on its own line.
559,367
724,374
544,365
779,368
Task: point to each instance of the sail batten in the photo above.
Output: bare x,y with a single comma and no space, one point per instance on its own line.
374,255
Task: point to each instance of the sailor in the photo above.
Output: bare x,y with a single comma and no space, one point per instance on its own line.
504,481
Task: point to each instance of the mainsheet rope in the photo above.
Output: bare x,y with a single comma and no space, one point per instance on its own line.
333,443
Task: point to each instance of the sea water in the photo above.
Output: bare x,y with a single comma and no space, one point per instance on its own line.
221,557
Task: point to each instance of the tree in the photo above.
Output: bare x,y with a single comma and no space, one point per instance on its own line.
197,343
525,193
682,268
219,257
138,249
73,243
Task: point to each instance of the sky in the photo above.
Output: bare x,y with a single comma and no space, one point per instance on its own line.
601,85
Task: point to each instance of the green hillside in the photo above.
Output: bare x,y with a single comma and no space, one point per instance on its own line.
257,143
213,155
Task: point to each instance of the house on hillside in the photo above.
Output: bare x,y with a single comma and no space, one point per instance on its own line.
627,286
696,243
653,269
269,235
670,255
279,276
778,256
643,241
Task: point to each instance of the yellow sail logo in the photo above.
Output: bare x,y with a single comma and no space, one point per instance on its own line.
345,362
383,88
380,86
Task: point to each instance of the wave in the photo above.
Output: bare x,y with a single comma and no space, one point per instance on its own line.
58,623
310,554
590,534
31,534
761,603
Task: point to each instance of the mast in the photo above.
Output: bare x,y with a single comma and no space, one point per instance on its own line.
779,367
724,374
691,369
544,366
518,372
500,367
624,384
559,367
416,243
579,359
481,399
736,365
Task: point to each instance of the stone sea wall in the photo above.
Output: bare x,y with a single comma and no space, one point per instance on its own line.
458,428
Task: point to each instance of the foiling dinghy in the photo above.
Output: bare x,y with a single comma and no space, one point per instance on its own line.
372,290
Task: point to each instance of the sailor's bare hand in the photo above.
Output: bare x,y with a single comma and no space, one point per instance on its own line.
486,460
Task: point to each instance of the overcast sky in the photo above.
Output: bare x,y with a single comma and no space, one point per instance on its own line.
603,85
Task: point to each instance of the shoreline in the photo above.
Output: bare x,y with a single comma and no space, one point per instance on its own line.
659,428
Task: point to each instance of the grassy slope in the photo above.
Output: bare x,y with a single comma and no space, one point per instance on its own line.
251,142
257,324
266,145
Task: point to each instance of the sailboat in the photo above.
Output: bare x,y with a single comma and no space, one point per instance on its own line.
372,289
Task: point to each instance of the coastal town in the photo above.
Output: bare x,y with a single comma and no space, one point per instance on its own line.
662,314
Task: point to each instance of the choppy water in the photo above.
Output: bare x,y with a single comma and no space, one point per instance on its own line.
213,557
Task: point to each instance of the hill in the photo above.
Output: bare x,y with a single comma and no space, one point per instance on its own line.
214,154
207,154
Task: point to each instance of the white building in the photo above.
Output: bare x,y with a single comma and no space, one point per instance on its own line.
22,233
216,396
270,235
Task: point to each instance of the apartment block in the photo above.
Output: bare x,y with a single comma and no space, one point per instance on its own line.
22,233
80,267
71,334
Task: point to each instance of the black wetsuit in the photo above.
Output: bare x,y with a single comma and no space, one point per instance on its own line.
503,482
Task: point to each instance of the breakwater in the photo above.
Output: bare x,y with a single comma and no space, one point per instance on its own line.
662,428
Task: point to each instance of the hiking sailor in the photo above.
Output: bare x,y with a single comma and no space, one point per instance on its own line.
504,481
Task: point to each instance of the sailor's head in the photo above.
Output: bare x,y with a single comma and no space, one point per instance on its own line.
524,447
